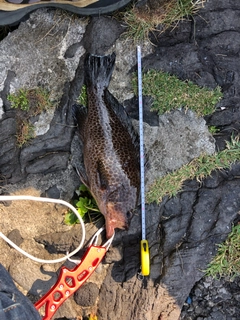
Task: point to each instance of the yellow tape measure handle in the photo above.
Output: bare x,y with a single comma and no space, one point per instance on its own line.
145,260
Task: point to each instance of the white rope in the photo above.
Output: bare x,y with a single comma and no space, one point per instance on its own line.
59,201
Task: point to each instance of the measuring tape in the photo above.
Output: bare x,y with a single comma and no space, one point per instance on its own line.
145,260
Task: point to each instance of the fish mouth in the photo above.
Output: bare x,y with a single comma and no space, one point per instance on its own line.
113,224
115,218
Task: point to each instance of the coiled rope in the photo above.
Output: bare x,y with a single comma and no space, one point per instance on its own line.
49,200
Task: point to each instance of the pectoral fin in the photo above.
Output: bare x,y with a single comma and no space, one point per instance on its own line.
82,174
102,175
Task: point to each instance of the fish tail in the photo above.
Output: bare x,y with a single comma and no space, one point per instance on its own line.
98,70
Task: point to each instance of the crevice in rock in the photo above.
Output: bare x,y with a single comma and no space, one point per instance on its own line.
4,93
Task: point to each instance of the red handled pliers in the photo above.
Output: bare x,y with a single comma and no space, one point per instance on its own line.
71,280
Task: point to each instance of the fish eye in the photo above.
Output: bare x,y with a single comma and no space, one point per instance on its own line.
129,214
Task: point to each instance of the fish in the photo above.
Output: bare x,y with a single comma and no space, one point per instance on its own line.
111,161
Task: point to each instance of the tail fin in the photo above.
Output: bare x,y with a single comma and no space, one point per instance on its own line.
98,70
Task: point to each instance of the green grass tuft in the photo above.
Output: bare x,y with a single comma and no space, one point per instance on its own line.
25,132
198,168
141,21
33,100
227,260
213,129
29,103
168,92
82,99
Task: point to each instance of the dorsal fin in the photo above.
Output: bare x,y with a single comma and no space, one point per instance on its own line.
122,115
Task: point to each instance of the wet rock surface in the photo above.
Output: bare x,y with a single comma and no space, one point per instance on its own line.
182,231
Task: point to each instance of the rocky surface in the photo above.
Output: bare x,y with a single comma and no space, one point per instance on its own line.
203,50
42,58
182,231
213,299
179,132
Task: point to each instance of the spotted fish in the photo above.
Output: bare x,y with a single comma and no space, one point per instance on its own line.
111,167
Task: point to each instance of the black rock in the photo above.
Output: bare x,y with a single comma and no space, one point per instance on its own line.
87,295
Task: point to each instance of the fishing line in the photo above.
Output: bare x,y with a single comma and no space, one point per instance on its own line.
49,200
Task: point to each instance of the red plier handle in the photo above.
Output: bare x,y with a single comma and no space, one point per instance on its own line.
71,280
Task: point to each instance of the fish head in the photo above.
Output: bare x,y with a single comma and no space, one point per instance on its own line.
115,195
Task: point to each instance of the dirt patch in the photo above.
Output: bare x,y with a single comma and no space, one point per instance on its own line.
24,221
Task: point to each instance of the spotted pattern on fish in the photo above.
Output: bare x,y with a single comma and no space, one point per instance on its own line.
111,147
